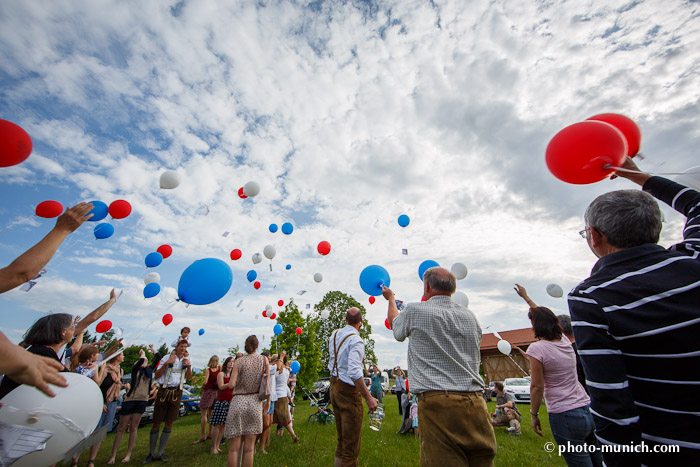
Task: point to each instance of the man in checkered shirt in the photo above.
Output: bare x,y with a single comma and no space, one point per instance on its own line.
443,362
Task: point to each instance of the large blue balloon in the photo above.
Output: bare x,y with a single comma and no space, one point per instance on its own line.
372,278
287,228
99,211
151,290
295,367
204,281
201,332
273,228
153,259
404,220
425,265
103,230
252,275
277,329
288,267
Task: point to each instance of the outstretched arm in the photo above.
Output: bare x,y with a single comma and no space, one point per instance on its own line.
97,313
29,263
27,368
520,290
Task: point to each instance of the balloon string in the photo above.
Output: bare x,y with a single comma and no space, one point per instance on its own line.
516,364
70,424
620,169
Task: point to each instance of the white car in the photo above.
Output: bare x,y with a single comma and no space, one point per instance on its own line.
519,388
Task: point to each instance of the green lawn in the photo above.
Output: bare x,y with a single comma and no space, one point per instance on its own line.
316,445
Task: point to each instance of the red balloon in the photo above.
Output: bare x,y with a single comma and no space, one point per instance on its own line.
273,316
298,331
49,209
236,254
386,323
165,250
119,209
579,152
103,326
280,303
240,193
627,127
15,144
256,285
167,319
324,248
264,313
407,385
371,300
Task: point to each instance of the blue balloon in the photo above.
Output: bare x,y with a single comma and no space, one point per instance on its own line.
295,367
425,265
252,275
201,332
273,228
287,228
404,220
99,211
103,230
153,259
288,267
372,278
277,329
151,290
204,281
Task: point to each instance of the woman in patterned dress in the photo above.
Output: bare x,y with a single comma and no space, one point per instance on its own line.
210,391
222,404
244,421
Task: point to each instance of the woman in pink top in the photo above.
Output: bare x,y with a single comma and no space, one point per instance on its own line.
553,371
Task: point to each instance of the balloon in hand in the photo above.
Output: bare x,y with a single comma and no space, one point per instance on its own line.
504,347
629,129
372,278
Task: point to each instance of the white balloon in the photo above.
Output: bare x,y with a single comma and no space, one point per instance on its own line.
459,270
169,180
461,298
72,415
251,189
325,314
318,277
555,291
690,178
268,308
257,257
151,277
269,251
504,347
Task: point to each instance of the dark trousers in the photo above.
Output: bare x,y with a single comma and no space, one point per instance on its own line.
398,395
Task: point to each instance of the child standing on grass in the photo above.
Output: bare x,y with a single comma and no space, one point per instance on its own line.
184,333
414,415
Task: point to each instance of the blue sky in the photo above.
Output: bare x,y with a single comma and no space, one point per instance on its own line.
347,114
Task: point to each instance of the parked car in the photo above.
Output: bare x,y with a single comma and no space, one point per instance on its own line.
319,386
519,388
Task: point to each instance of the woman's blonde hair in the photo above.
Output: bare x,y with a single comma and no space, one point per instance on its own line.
213,361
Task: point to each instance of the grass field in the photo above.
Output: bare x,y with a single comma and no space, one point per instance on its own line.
316,445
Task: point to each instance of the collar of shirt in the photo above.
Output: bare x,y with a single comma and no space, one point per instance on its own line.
625,255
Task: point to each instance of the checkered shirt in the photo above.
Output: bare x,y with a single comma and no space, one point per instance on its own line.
443,345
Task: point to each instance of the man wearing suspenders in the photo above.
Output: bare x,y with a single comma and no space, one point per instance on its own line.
347,352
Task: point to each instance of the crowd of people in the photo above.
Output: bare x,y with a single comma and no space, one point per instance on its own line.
604,373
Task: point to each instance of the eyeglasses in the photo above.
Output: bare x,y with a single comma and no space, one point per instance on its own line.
583,233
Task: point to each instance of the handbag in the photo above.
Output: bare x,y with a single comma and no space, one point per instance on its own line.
264,390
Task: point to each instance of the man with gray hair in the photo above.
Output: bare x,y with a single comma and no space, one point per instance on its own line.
443,360
636,320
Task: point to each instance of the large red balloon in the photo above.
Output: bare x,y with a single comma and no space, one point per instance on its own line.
167,319
119,209
15,144
280,303
240,193
103,326
386,323
273,316
627,127
165,250
579,152
49,209
298,331
324,248
371,300
264,313
256,284
236,254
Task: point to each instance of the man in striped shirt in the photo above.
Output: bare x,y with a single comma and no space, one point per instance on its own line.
636,320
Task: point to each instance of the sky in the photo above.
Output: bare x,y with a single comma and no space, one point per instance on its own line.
347,114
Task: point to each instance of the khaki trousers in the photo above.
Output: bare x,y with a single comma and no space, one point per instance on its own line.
348,410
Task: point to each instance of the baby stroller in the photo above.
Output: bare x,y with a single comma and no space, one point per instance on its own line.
323,414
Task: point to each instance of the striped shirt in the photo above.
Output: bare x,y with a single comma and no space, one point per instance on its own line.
636,320
443,346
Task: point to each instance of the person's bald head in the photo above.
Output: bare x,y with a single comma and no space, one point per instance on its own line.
439,281
353,316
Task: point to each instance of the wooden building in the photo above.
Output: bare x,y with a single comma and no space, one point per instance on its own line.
497,366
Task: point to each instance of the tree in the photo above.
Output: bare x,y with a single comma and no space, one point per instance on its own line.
337,304
233,351
306,344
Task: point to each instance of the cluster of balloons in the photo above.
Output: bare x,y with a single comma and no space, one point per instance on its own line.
287,228
15,144
118,209
589,151
205,281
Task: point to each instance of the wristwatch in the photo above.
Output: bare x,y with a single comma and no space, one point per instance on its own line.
534,414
